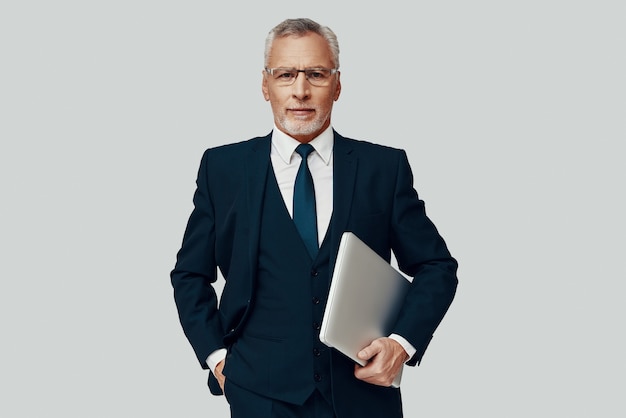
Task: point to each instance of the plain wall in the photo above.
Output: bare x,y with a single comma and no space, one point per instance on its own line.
512,114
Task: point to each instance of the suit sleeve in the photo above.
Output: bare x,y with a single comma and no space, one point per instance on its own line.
421,253
196,270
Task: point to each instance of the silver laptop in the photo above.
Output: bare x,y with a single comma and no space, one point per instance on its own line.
364,299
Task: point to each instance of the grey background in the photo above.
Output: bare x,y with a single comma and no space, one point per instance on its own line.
512,114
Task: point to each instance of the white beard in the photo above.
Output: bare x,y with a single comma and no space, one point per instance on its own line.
297,127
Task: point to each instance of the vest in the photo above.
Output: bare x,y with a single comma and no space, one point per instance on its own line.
278,353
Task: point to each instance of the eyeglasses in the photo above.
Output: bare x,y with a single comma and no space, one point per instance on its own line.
319,77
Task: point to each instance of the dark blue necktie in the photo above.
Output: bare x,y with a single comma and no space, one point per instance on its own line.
304,215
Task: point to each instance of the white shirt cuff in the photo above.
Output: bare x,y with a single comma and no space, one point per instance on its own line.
215,357
410,350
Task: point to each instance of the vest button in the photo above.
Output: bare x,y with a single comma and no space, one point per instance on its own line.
317,352
317,377
314,273
316,301
316,326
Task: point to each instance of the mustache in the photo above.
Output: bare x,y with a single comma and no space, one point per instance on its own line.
301,106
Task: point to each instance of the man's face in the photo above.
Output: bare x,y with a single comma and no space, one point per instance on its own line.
301,110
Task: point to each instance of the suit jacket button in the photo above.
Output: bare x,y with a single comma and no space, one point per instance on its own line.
314,273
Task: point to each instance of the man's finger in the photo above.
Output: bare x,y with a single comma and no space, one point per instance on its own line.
370,351
219,375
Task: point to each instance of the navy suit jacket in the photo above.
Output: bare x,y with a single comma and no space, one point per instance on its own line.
373,197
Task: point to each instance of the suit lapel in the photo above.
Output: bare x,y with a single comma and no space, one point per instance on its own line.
257,165
344,176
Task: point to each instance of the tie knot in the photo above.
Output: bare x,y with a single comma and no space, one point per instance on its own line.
304,150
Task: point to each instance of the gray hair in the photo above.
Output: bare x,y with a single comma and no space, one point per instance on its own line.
300,27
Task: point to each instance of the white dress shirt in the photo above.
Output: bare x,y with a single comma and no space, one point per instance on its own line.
286,162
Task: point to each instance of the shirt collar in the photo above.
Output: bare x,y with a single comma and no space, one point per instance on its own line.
286,146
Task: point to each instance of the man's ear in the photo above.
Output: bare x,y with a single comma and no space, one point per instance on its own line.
264,88
338,88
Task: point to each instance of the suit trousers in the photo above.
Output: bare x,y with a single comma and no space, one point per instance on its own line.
246,404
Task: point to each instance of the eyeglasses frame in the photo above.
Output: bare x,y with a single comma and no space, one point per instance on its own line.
333,71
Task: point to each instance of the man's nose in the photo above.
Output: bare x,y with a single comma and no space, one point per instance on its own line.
301,87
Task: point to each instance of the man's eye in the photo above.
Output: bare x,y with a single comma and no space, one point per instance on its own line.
284,75
316,75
